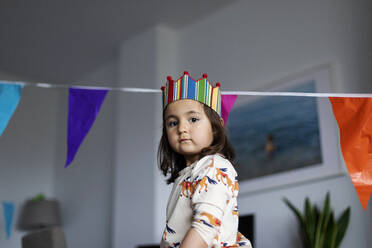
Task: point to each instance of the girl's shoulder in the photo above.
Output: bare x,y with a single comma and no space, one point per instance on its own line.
212,163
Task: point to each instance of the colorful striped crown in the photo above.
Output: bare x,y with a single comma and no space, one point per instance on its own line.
187,88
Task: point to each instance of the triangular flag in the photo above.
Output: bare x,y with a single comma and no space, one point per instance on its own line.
8,211
83,108
354,118
9,99
227,102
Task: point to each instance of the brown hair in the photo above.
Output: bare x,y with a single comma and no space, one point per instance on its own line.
172,163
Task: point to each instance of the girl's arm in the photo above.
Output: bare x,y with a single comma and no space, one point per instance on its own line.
193,240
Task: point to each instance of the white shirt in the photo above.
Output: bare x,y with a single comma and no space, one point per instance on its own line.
204,197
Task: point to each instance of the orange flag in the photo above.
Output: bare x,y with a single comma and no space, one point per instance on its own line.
354,118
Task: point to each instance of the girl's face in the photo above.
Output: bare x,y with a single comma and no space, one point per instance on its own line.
188,128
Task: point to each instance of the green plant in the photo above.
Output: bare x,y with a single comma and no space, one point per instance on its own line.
320,229
38,197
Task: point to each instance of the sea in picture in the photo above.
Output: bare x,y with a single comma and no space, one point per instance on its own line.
275,134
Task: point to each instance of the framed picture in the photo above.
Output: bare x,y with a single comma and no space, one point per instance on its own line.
282,140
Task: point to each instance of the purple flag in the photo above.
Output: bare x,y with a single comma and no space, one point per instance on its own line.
83,108
8,211
227,102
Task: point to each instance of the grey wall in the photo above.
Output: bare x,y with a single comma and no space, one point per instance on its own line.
133,195
139,204
136,147
254,42
85,187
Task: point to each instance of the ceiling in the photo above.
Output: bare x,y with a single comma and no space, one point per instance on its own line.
61,40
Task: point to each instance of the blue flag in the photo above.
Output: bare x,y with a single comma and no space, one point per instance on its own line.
10,94
8,211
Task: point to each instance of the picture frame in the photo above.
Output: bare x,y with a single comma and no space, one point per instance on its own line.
313,152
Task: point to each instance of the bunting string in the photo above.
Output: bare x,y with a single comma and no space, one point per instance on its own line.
352,111
239,93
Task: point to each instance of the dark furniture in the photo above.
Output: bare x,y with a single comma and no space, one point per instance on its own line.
52,237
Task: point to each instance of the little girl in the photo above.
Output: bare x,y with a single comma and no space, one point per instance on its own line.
202,209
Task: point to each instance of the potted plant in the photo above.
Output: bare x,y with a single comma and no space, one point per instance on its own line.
320,229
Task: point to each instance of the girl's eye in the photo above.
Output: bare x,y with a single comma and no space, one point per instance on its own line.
172,123
193,119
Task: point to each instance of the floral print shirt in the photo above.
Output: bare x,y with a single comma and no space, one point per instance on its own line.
204,197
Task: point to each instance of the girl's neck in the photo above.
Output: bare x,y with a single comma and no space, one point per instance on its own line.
191,159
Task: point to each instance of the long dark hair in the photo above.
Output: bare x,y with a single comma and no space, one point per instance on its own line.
172,163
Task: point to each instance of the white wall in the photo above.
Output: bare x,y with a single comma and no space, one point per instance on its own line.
27,153
133,196
85,187
254,42
251,43
166,64
139,211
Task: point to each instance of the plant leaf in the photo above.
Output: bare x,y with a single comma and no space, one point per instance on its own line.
309,222
342,223
334,232
318,230
301,220
295,210
330,234
323,222
328,215
314,219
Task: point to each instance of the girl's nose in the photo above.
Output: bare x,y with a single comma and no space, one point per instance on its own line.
182,127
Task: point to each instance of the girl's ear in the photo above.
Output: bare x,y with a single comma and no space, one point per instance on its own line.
222,122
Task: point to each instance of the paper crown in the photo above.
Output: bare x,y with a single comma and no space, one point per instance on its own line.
187,88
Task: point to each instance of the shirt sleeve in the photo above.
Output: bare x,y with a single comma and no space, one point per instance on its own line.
213,188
